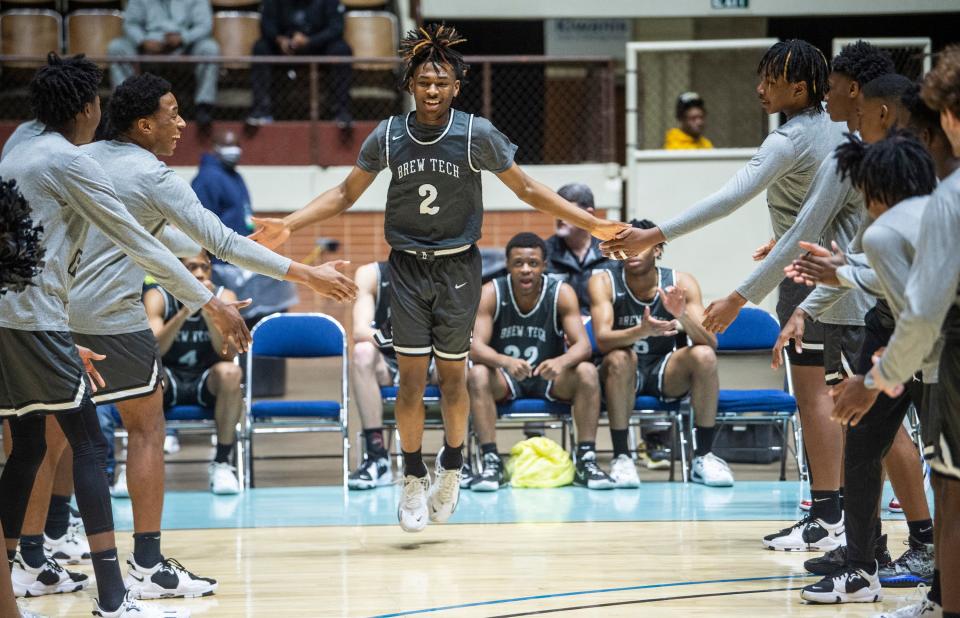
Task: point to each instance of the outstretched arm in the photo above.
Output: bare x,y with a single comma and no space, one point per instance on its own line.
272,233
772,160
545,200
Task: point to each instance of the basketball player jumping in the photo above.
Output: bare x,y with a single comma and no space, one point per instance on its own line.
434,213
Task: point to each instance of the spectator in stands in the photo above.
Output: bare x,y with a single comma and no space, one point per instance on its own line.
573,254
638,308
301,28
170,27
518,351
691,114
220,187
197,373
374,364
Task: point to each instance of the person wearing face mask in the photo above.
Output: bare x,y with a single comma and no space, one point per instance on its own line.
220,186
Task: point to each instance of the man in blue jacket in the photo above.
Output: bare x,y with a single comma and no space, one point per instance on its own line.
220,186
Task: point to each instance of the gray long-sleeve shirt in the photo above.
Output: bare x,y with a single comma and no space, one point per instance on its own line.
831,211
105,298
784,165
67,190
931,287
152,19
890,245
24,131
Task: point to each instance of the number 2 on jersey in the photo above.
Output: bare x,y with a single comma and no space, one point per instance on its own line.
530,354
429,192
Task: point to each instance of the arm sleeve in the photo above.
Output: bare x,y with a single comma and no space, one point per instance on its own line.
133,21
772,160
372,157
824,201
332,27
200,25
820,300
858,274
178,243
179,204
931,287
490,149
90,193
889,254
269,23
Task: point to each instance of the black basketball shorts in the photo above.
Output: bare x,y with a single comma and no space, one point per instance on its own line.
132,368
40,372
791,295
434,302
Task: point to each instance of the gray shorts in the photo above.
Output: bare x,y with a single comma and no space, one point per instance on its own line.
434,302
791,295
40,371
841,349
132,368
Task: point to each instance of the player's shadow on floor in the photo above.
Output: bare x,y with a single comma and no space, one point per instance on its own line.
415,546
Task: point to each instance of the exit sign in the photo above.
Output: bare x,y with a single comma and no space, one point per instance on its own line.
729,4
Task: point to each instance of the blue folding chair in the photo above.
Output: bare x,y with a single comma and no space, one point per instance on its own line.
431,400
766,397
297,335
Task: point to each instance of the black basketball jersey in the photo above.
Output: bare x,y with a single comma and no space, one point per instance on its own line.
532,336
628,309
381,311
192,350
434,200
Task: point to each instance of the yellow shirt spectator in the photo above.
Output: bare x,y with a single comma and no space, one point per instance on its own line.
676,139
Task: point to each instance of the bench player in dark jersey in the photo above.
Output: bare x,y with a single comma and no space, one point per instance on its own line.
638,308
374,364
518,351
197,370
434,212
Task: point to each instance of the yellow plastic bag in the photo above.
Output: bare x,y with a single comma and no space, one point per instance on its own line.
539,462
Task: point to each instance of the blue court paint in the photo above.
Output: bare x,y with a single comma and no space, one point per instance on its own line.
540,597
332,506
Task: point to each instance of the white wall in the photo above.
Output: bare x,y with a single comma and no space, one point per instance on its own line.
278,188
719,254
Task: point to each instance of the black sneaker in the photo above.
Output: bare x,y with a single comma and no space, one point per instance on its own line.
808,534
847,586
913,568
588,474
835,560
491,477
374,471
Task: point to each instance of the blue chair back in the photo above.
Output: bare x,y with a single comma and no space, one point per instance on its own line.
753,330
298,335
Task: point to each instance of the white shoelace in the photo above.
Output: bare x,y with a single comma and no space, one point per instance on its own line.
449,482
414,489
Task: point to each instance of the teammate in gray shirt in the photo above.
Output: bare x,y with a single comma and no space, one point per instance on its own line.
22,133
106,312
434,213
793,81
895,175
40,368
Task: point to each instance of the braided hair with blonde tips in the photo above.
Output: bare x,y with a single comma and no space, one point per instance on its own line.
431,43
797,61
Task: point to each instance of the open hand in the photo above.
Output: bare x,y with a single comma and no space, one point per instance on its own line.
270,232
654,327
853,401
229,323
793,329
720,314
327,280
88,356
818,266
764,250
674,300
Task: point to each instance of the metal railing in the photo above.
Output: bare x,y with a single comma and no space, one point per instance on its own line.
556,109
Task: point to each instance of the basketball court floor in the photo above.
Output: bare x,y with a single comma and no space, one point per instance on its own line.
667,549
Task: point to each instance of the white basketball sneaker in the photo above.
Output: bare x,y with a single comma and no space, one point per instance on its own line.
133,608
71,548
444,493
711,471
808,534
51,578
119,489
624,472
165,580
412,510
223,479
